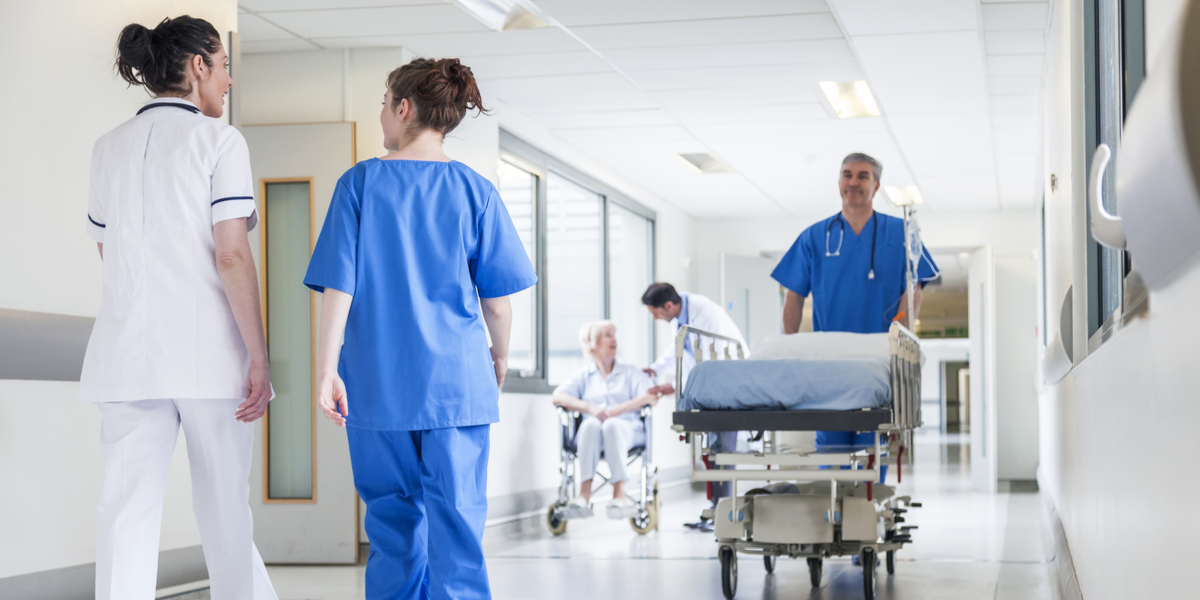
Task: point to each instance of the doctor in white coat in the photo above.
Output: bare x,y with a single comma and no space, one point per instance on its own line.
686,308
178,341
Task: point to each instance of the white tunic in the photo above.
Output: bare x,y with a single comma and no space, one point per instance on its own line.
159,182
623,384
704,314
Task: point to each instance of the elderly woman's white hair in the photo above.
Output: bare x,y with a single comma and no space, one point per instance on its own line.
588,334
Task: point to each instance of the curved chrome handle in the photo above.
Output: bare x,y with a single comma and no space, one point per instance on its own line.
1106,228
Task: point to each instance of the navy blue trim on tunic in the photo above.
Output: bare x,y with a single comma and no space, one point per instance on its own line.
100,225
219,200
188,107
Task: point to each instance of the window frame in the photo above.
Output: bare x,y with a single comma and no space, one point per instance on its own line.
524,155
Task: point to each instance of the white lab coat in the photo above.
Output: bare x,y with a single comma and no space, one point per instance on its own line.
704,314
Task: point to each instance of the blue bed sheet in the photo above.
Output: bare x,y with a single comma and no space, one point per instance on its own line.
790,384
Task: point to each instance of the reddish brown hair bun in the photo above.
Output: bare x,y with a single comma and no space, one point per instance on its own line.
442,90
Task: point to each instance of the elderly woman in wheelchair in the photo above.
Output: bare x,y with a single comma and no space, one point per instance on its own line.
604,409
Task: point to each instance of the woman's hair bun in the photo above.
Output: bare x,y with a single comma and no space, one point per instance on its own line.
156,58
442,90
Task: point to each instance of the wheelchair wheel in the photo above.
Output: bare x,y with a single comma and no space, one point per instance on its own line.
814,572
769,563
647,520
728,571
556,525
869,566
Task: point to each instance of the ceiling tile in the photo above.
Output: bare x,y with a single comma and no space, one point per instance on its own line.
276,5
713,31
769,113
1017,120
573,13
603,118
254,29
484,43
731,55
910,74
789,76
1018,16
600,91
730,97
600,136
1026,84
443,18
1016,102
531,65
954,145
292,45
1015,42
1016,64
867,17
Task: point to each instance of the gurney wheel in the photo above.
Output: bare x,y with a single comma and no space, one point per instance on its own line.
814,571
728,571
769,563
891,562
647,522
869,565
556,525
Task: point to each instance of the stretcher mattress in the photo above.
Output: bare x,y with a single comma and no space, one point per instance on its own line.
787,384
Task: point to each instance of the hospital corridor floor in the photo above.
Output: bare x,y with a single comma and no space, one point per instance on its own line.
969,545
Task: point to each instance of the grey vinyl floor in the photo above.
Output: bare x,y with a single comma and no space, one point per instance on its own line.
969,545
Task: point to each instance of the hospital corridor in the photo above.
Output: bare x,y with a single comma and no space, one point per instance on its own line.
595,299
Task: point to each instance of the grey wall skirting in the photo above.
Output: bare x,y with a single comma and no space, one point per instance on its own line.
175,567
42,346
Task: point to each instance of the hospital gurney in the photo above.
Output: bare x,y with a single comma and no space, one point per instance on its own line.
829,511
647,502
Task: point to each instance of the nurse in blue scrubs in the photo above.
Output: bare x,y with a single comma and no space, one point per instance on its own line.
416,260
853,264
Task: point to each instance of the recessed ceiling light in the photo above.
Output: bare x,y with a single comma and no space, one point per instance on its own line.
704,163
850,98
904,196
501,15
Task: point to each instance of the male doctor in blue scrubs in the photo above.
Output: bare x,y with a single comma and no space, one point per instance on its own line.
853,264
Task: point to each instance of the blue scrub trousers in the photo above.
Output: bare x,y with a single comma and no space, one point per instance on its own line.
426,496
850,438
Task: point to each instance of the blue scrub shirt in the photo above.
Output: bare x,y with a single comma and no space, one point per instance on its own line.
844,297
417,243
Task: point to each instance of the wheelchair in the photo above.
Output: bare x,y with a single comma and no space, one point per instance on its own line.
648,502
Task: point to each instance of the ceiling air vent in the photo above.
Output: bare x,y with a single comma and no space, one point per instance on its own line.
705,163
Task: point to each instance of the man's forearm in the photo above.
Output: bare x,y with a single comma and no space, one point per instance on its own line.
793,312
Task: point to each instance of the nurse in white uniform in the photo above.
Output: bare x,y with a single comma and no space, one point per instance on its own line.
610,394
179,338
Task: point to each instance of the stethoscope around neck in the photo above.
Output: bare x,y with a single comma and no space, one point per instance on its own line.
842,223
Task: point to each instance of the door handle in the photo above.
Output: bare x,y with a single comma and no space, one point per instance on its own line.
1106,227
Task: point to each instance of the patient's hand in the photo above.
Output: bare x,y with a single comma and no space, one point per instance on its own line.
602,414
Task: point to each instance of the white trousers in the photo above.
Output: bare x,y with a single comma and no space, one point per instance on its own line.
616,435
138,439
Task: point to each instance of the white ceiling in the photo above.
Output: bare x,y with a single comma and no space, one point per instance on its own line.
634,82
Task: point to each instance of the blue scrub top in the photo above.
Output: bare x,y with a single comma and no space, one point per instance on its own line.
844,298
417,244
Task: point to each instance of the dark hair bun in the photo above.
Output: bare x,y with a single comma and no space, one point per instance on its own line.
443,91
158,58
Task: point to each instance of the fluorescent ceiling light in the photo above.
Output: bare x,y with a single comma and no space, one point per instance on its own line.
704,163
501,15
904,196
850,98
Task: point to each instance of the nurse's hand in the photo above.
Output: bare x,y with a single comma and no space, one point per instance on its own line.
331,396
500,364
259,383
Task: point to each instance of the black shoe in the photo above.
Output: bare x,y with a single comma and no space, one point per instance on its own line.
701,525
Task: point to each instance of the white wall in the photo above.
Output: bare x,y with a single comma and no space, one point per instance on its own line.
524,443
1107,426
62,94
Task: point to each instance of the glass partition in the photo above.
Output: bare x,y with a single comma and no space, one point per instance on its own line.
518,190
630,240
575,271
288,426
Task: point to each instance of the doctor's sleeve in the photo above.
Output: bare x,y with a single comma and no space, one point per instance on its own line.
334,262
927,269
794,270
232,185
500,266
97,213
